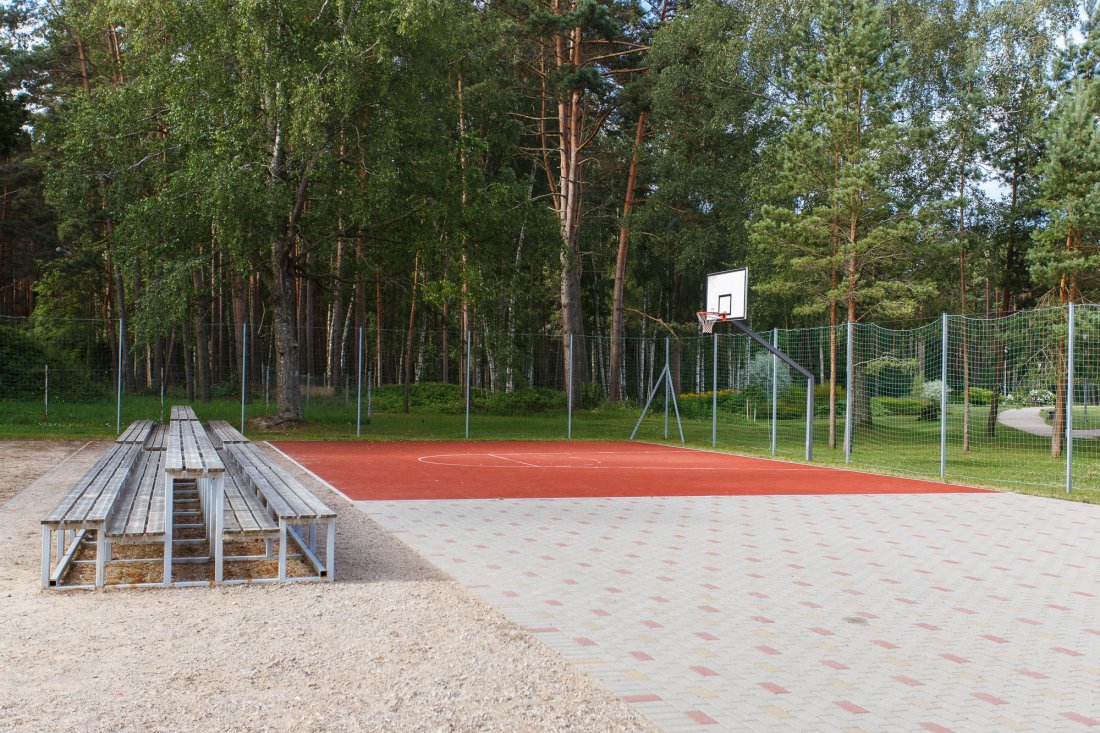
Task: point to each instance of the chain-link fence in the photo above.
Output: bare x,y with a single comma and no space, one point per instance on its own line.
1003,401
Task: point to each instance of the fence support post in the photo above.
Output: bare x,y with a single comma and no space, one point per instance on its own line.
46,396
118,397
468,384
359,388
569,389
714,397
668,387
244,368
809,418
1069,401
943,397
850,350
775,383
162,394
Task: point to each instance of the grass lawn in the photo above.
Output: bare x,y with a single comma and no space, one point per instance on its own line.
900,445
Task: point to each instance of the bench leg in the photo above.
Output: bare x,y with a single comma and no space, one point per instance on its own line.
219,528
269,547
46,555
61,543
169,506
330,551
100,557
282,549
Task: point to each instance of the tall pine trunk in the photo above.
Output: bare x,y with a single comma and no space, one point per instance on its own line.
614,387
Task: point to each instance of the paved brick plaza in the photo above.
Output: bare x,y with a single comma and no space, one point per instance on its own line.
960,612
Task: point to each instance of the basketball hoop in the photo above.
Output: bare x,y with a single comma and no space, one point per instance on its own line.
707,319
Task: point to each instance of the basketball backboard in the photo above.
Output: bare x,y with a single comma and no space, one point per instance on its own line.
728,295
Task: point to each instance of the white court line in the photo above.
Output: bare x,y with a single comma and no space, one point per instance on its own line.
505,458
437,460
320,480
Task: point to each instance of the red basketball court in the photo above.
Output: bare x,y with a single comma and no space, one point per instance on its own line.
517,470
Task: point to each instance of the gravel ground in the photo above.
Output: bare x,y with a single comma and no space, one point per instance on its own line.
394,645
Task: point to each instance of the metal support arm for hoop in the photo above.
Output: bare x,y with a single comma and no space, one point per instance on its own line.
707,322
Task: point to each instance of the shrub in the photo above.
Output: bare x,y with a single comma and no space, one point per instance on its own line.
897,406
22,362
760,374
980,397
931,411
931,391
1040,397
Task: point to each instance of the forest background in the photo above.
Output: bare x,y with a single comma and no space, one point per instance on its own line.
170,170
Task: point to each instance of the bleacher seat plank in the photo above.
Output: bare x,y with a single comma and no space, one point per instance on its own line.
137,432
90,501
140,510
222,432
158,438
285,495
183,412
245,515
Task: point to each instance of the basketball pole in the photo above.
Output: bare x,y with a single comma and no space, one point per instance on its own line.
798,368
775,384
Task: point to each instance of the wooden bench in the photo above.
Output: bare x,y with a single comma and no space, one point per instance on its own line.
182,412
137,433
139,513
158,439
246,517
289,501
86,507
221,432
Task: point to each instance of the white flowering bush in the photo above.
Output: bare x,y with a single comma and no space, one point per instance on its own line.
931,391
1040,397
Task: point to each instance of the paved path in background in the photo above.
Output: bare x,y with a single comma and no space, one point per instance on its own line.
1030,420
967,612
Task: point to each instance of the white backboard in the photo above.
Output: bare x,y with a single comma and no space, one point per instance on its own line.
728,293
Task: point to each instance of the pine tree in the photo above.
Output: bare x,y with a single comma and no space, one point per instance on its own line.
1066,257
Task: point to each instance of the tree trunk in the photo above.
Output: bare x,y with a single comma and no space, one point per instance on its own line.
202,343
335,340
614,388
409,333
288,398
188,365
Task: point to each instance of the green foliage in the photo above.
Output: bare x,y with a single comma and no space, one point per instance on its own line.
901,406
22,371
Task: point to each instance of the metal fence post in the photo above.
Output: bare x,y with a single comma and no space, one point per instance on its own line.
943,398
162,394
569,390
244,368
775,383
714,398
809,419
118,397
359,388
46,395
1069,401
370,385
468,384
848,394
